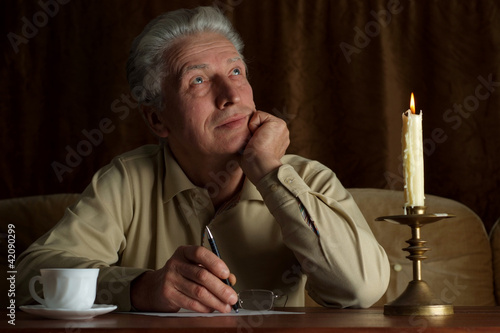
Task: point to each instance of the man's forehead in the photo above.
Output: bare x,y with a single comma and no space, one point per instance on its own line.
198,51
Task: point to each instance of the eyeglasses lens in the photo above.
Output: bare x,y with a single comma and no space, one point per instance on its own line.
256,300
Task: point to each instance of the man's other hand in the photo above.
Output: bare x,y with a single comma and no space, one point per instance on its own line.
266,147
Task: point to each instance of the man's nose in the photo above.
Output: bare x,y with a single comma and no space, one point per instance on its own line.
227,93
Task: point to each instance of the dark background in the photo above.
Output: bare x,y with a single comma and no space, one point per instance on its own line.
340,73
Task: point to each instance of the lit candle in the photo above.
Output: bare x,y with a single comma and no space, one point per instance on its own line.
413,157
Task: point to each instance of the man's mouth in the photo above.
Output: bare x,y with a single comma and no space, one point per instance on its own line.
235,121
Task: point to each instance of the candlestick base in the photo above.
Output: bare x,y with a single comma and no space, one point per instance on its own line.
417,299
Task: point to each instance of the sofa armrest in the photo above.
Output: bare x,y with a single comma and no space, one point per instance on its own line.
31,217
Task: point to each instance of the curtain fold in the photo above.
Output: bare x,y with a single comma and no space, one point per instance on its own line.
339,72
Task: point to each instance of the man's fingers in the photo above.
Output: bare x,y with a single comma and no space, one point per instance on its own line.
182,300
266,147
257,119
199,298
207,259
204,278
254,122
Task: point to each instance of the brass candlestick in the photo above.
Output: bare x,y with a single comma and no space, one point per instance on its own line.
417,299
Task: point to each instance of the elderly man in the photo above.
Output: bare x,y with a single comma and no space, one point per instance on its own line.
282,222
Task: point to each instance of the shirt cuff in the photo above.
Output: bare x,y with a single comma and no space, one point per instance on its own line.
281,186
113,286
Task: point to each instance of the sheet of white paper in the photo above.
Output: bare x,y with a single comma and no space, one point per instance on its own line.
188,313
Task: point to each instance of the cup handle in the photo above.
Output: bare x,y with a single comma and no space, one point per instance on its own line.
33,291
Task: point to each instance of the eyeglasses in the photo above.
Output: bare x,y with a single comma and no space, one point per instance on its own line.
260,300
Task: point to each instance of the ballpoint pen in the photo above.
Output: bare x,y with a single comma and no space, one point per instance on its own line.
213,246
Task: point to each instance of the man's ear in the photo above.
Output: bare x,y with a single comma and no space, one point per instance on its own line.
155,120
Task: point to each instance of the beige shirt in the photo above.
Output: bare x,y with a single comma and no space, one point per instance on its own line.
141,207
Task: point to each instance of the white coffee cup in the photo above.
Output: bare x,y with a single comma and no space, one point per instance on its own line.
66,288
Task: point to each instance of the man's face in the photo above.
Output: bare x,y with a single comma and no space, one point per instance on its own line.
206,96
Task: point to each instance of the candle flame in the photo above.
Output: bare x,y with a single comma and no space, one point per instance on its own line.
412,104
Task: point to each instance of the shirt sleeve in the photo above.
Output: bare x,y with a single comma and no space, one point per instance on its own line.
91,234
344,264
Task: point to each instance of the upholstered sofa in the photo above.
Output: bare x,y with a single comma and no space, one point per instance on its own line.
459,267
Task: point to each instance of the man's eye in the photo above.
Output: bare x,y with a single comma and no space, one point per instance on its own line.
197,80
236,71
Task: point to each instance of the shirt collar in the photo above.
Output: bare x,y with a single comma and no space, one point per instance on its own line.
176,181
250,192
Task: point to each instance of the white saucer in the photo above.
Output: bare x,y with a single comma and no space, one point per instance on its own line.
41,310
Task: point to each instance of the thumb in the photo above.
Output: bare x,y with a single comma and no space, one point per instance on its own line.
232,279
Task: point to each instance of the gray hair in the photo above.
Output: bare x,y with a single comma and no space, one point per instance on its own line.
146,65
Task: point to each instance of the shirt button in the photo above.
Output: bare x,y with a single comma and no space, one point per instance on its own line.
289,180
274,187
398,267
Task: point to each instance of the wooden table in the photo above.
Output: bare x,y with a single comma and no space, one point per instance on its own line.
465,319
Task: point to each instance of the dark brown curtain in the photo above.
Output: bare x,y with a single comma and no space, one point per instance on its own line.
339,72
